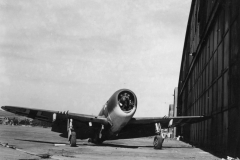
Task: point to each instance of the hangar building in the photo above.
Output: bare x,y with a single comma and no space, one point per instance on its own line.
209,81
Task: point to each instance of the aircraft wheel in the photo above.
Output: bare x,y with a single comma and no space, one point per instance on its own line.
96,141
157,142
73,139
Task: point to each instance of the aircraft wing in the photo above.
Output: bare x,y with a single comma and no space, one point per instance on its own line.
167,122
145,126
48,115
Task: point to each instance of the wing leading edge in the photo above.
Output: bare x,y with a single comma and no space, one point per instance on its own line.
168,122
48,115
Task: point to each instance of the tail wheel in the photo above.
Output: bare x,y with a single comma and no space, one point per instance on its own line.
96,140
73,139
99,141
157,142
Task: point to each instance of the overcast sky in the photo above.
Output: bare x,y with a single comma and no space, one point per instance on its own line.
73,55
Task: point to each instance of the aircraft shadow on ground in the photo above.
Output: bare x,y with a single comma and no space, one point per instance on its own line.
137,146
106,144
29,140
178,147
103,144
85,144
63,135
119,145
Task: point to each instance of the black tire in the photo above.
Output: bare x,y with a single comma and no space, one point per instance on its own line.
96,140
157,142
73,139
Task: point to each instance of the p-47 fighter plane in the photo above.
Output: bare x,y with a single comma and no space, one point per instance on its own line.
115,121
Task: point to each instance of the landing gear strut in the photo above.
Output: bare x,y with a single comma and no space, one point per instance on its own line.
72,138
158,139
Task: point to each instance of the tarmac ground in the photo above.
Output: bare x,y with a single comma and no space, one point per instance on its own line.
24,142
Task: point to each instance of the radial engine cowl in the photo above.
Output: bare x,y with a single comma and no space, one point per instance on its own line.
126,101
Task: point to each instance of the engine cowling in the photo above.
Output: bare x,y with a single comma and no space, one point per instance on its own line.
120,108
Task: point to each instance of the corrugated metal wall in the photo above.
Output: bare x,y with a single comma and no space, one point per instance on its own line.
209,82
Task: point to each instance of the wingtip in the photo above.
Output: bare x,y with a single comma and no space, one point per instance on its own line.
3,107
6,108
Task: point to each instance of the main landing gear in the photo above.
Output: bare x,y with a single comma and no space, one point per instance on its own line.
157,142
72,138
158,139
